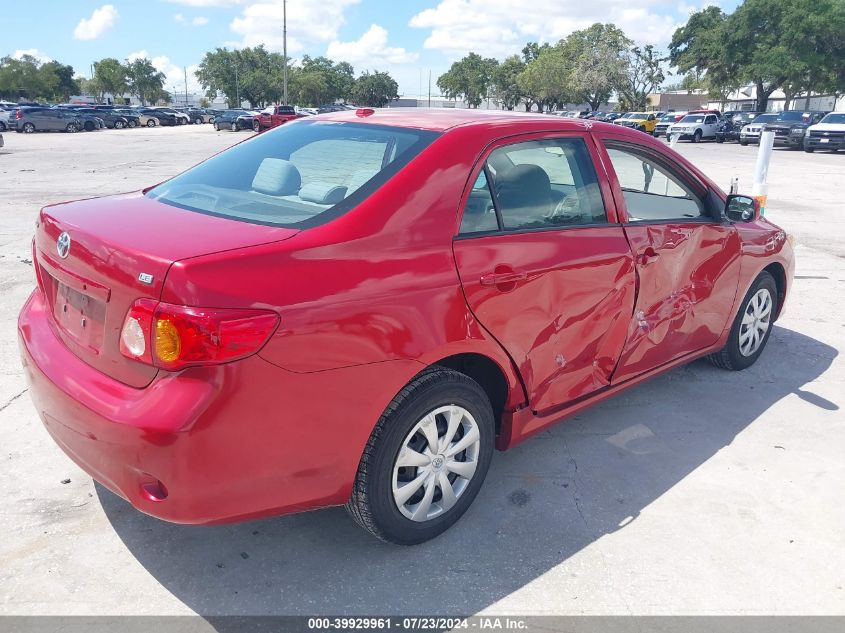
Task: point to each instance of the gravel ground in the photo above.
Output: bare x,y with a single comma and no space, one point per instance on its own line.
702,491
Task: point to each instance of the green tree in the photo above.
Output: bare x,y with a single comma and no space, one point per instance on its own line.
309,88
339,77
597,62
506,86
546,79
59,78
643,75
468,79
144,81
376,89
22,78
110,77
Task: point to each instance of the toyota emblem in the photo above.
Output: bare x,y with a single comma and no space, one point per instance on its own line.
63,245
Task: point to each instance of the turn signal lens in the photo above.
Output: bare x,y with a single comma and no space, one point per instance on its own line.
174,337
168,343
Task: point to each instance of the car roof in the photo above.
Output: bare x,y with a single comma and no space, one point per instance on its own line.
443,119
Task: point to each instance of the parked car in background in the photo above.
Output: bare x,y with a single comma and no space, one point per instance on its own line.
4,118
142,119
160,117
791,125
213,113
181,117
642,121
29,119
731,125
111,118
91,122
234,120
750,133
664,121
274,116
333,333
695,127
827,134
197,116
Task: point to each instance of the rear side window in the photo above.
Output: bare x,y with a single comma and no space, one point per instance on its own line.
297,175
535,185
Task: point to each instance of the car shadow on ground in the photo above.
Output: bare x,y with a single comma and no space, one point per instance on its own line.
542,503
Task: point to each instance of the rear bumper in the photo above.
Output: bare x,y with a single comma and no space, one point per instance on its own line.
230,442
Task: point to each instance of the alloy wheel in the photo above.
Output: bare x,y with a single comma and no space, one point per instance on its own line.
436,462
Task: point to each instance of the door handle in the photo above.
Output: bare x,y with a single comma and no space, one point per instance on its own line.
498,279
648,256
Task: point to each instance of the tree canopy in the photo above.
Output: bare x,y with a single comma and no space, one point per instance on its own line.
468,79
375,90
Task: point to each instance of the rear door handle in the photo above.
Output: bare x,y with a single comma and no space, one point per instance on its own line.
498,279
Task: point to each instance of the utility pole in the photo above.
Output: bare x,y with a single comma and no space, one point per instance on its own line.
186,85
429,87
285,47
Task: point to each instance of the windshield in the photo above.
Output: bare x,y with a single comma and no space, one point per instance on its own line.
834,117
670,118
791,116
745,117
766,118
298,175
693,118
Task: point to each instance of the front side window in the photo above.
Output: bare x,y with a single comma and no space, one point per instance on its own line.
537,184
651,192
297,175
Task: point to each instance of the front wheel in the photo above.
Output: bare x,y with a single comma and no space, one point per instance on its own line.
72,128
425,460
151,123
28,128
198,121
132,124
696,138
751,327
809,150
118,125
256,126
743,143
234,126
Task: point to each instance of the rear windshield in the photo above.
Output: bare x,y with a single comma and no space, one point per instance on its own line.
298,175
693,118
792,116
766,118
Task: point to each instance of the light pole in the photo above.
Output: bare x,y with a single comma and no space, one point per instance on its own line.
285,48
237,87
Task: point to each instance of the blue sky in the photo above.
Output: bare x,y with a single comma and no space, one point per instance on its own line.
405,37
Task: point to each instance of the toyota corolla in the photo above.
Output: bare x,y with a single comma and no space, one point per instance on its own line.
357,308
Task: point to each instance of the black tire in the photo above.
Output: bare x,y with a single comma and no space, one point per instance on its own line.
371,504
809,150
730,357
743,143
719,139
132,123
198,121
235,126
28,128
118,125
72,128
89,126
696,137
256,126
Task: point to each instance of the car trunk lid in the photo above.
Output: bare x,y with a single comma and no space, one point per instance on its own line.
120,249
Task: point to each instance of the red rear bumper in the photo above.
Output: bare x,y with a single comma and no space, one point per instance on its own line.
230,442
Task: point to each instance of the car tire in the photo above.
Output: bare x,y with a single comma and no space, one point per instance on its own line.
809,150
131,124
425,407
256,126
72,128
234,126
743,143
198,121
216,127
720,140
118,125
696,137
28,128
759,306
2,126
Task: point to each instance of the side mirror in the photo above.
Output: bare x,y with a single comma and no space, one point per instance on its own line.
742,208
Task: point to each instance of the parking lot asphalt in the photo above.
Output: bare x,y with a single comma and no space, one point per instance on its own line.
700,492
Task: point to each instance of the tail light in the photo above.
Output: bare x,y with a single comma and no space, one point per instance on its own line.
18,114
174,337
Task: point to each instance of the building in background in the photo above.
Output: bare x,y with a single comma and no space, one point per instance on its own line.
676,101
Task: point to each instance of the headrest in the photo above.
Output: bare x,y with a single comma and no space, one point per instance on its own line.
322,193
276,177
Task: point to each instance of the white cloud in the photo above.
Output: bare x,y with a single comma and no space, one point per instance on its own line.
100,21
309,22
174,75
179,18
371,50
32,52
497,28
199,21
208,3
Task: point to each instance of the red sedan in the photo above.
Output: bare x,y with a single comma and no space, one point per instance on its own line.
356,308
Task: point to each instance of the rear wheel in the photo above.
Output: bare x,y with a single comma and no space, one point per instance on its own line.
132,123
118,125
743,143
751,327
425,460
28,128
151,123
696,138
72,128
256,126
809,150
2,126
234,126
720,139
198,121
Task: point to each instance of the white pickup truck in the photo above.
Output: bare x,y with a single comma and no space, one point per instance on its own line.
695,127
829,133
